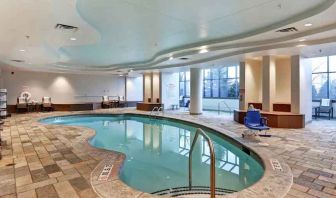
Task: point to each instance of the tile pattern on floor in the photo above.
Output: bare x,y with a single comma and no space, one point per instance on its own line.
47,160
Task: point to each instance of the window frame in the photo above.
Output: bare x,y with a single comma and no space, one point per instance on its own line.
220,79
327,73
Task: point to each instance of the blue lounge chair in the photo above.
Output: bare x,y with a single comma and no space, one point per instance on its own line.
255,122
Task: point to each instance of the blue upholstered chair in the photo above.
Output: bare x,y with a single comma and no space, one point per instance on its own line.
255,122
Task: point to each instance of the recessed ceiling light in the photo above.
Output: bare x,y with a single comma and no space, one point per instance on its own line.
301,40
22,50
171,58
301,45
73,38
29,63
204,49
308,24
120,75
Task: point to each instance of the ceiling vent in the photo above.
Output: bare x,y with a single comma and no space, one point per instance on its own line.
184,58
18,61
290,29
60,26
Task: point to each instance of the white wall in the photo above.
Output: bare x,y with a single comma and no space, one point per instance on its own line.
62,88
283,80
170,89
134,87
253,81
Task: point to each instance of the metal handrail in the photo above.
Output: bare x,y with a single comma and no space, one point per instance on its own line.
161,109
227,106
212,162
155,108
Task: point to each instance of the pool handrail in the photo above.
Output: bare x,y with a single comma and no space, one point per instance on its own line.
199,131
155,108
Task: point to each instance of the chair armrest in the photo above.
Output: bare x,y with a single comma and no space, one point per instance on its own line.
245,120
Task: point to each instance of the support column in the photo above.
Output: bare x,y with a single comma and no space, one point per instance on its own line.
268,83
242,90
152,87
301,85
196,91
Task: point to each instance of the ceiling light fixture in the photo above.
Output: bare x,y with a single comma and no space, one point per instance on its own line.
171,58
204,49
120,75
308,24
73,38
301,40
301,45
22,50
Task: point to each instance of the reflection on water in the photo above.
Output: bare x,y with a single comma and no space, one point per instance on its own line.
157,153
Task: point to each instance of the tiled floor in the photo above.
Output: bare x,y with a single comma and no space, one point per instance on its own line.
44,161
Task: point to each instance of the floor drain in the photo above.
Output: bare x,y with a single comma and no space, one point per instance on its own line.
11,164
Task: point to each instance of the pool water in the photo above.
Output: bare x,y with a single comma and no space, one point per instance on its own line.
157,152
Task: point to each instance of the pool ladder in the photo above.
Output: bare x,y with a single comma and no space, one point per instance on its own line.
212,162
156,110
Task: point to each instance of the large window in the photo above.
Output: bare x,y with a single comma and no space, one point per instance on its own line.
185,84
324,77
221,82
217,83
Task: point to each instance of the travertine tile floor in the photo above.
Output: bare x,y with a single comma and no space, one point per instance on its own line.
41,161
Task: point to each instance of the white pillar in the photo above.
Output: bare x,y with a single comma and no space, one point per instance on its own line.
196,91
301,86
242,91
268,83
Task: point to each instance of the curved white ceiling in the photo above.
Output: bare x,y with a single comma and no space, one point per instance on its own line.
143,34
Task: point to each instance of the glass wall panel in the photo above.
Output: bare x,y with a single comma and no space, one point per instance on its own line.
217,82
320,64
324,77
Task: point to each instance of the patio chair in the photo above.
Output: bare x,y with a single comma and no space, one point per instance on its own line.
122,101
46,103
21,104
186,106
106,103
255,123
326,108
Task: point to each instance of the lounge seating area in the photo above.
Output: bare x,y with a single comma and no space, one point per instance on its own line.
25,104
113,102
324,109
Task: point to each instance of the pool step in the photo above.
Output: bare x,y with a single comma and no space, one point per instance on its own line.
185,191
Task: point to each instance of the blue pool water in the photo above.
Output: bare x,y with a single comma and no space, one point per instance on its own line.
157,152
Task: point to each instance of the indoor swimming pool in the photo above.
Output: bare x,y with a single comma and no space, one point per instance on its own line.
157,152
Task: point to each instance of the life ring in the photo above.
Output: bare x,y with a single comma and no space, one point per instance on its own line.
26,95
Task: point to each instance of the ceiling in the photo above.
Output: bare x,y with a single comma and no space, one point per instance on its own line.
121,35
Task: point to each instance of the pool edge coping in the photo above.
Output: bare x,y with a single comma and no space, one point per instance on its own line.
271,184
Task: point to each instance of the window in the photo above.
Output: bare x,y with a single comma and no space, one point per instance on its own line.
217,82
221,83
185,84
324,77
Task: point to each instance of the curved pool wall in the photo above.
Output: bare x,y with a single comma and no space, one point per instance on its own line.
157,151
